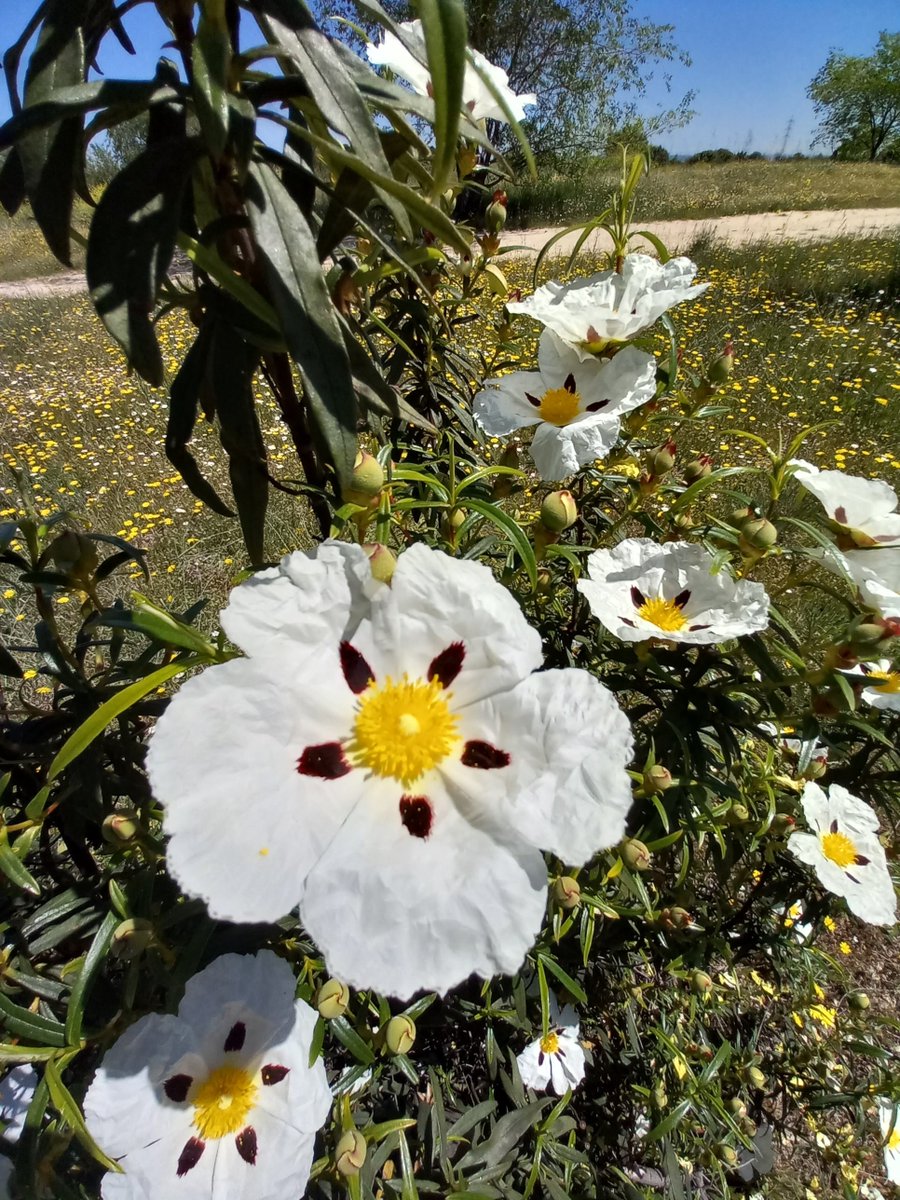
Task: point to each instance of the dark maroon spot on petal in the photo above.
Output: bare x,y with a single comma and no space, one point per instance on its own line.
356,670
416,815
484,756
190,1156
625,621
840,515
324,762
697,628
532,400
592,335
637,597
246,1145
570,384
470,105
861,860
852,878
273,1073
560,1053
177,1087
597,405
834,825
447,665
682,598
541,1058
236,1035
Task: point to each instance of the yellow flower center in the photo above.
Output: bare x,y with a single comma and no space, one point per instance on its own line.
890,681
664,614
223,1101
403,729
558,406
893,1142
838,848
550,1043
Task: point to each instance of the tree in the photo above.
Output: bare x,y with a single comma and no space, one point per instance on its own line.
858,100
122,143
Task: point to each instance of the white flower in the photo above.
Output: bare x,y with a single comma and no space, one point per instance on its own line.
16,1093
877,575
575,403
845,852
810,754
889,1119
386,759
408,58
882,683
863,510
556,1060
591,313
219,1100
641,589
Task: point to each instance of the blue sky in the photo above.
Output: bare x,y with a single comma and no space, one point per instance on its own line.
752,62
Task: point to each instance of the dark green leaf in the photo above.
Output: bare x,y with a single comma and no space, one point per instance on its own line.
211,57
93,960
12,183
67,102
444,26
14,870
22,1023
506,1134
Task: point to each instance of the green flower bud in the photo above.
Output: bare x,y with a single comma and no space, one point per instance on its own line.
495,215
559,511
451,522
332,999
748,1126
738,814
737,1106
567,892
400,1034
722,367
661,460
74,554
466,161
350,1153
675,918
755,1077
657,779
726,1154
739,516
865,635
366,481
698,468
859,1001
635,854
758,534
119,828
782,823
381,560
702,983
131,938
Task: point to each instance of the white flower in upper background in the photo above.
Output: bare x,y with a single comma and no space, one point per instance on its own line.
845,852
16,1093
875,572
612,307
882,683
575,403
386,759
889,1119
409,58
555,1061
863,510
641,589
219,1100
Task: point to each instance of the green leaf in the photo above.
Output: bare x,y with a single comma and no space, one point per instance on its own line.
376,1133
657,243
109,710
511,530
93,961
565,979
211,59
64,1103
408,1190
67,102
23,1023
130,246
161,625
347,1036
446,37
308,317
506,1134
12,183
14,870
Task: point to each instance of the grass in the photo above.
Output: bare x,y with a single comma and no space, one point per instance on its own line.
709,190
23,253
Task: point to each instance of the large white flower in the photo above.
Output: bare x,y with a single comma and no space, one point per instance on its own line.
555,1061
889,1119
882,683
608,307
16,1093
876,573
845,852
218,1101
408,58
641,589
864,511
575,403
386,759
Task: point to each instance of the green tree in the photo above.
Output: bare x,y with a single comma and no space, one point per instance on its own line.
858,100
122,143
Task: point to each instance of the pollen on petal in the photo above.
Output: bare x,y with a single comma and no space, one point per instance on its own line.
416,815
484,756
177,1087
236,1035
447,665
356,670
326,761
246,1145
273,1073
190,1156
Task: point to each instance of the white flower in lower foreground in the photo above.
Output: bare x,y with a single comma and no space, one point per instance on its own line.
555,1061
218,1101
882,683
575,403
844,851
16,1093
642,589
409,59
386,759
612,306
889,1119
863,510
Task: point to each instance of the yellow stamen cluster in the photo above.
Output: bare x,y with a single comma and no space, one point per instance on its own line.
839,849
402,730
559,406
885,681
223,1101
664,614
550,1043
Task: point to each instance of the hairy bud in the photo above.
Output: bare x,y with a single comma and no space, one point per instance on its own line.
566,892
722,367
381,560
332,999
366,481
758,534
559,511
350,1153
698,468
657,779
635,854
661,460
400,1034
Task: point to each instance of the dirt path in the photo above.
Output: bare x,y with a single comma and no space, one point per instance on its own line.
818,225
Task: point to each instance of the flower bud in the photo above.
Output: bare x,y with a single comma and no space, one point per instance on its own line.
363,247
675,918
400,1034
660,1096
726,1154
635,854
865,635
332,999
345,293
758,534
381,560
657,779
120,828
701,983
490,244
350,1153
661,460
366,481
722,367
466,161
858,1001
755,1077
567,892
782,823
739,516
737,1106
698,468
131,938
559,511
748,1126
451,523
495,214
738,814
74,554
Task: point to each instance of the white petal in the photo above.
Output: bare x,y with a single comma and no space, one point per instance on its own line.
281,1171
553,453
409,64
534,1066
302,1099
570,1057
16,1093
479,100
501,407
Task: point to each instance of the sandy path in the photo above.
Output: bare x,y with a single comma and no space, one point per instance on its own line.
818,225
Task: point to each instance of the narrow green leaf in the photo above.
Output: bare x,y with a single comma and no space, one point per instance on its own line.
93,960
571,986
66,102
506,1134
23,1023
211,58
14,870
408,1190
12,183
444,26
347,1036
513,533
64,1103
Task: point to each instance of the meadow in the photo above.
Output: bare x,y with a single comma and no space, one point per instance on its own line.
702,190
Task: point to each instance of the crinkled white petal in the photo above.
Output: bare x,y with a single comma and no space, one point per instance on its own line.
889,1120
390,52
561,451
16,1093
567,1066
866,506
876,572
534,1066
478,98
501,407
